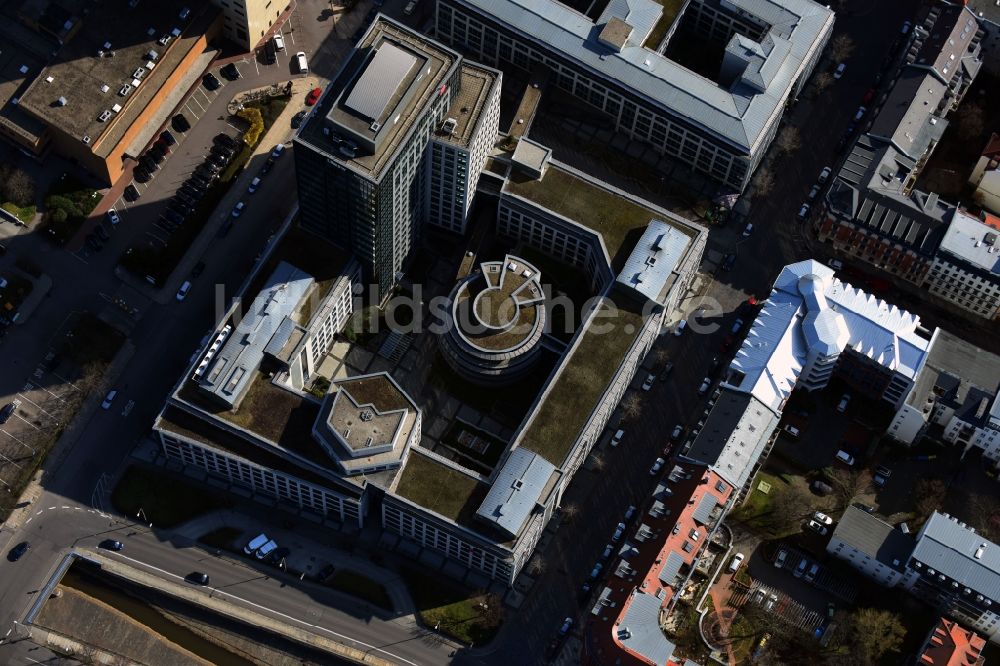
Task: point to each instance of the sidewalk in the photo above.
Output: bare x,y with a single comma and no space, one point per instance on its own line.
42,286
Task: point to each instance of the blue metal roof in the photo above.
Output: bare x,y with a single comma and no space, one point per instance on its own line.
516,490
740,115
237,362
654,259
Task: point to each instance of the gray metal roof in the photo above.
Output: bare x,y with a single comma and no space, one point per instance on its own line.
237,362
516,490
740,115
703,511
671,567
380,80
874,537
654,259
642,620
950,548
987,10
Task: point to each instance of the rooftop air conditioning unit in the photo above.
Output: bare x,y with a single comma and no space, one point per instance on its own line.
116,108
105,88
375,126
86,139
104,116
61,101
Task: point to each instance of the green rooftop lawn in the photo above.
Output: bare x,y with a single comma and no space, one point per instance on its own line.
602,211
439,488
582,382
671,8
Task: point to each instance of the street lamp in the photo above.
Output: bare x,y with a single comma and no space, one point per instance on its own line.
142,514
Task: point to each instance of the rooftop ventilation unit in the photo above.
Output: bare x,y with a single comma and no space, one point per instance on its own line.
104,116
136,82
61,101
49,79
107,46
139,73
375,126
23,69
105,88
151,32
152,55
162,41
125,90
116,108
86,139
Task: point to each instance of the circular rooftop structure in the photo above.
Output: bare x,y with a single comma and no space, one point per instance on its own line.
497,317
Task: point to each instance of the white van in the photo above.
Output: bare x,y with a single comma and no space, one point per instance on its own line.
845,457
255,543
266,549
300,59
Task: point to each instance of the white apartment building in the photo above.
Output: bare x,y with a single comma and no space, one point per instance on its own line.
245,22
872,546
460,145
720,128
966,268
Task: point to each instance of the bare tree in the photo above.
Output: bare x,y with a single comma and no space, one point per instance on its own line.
848,484
18,187
971,121
822,81
841,46
930,494
763,182
788,140
631,407
570,511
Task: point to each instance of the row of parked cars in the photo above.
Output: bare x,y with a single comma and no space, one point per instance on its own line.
266,549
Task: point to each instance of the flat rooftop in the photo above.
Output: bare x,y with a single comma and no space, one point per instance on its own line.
17,69
966,365
441,489
974,241
499,307
477,82
740,114
395,90
79,73
370,410
584,377
614,216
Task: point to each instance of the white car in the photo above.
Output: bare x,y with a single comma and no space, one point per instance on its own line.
822,518
183,291
860,113
109,398
816,527
629,512
679,329
748,230
906,27
254,184
839,72
845,457
113,217
779,560
300,60
813,193
804,211
791,430
678,431
650,380
616,439
657,466
845,400
238,209
705,385
824,175
619,531
278,150
279,41
737,561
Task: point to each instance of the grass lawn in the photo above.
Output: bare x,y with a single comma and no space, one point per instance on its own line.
164,500
224,537
24,213
451,609
783,509
582,382
67,204
361,587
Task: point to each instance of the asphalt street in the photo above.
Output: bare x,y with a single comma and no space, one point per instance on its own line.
167,333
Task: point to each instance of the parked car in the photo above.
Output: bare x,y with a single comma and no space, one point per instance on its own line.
267,166
839,72
111,544
277,555
822,518
180,123
109,398
736,562
168,138
18,551
254,184
112,216
266,549
630,511
608,551
771,601
211,81
748,230
679,328
566,626
197,577
779,559
616,439
303,64
812,573
140,174
667,369
801,568
230,72
313,96
173,216
860,113
677,433
255,543
619,531
803,212
278,150
836,264
198,269
182,292
297,119
596,571
8,410
650,380
824,175
238,209
657,466
906,27
737,326
821,488
325,573
845,457
813,193
882,474
279,41
791,430
845,400
816,527
705,385
221,161
729,261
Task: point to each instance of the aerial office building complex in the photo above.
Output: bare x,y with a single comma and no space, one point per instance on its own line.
617,58
361,157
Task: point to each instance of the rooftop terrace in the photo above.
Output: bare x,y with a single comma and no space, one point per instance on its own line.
612,215
441,489
476,84
584,378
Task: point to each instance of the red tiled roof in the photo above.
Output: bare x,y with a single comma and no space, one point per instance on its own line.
951,644
991,221
679,533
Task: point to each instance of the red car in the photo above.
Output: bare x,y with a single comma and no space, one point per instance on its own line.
313,96
869,96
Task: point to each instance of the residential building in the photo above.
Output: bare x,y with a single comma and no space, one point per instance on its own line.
460,145
811,328
874,213
951,644
652,567
613,60
104,96
958,571
966,268
988,14
246,22
872,546
954,399
985,176
367,179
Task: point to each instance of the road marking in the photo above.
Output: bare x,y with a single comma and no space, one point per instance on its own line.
28,520
235,127
35,403
47,391
52,508
65,506
271,610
